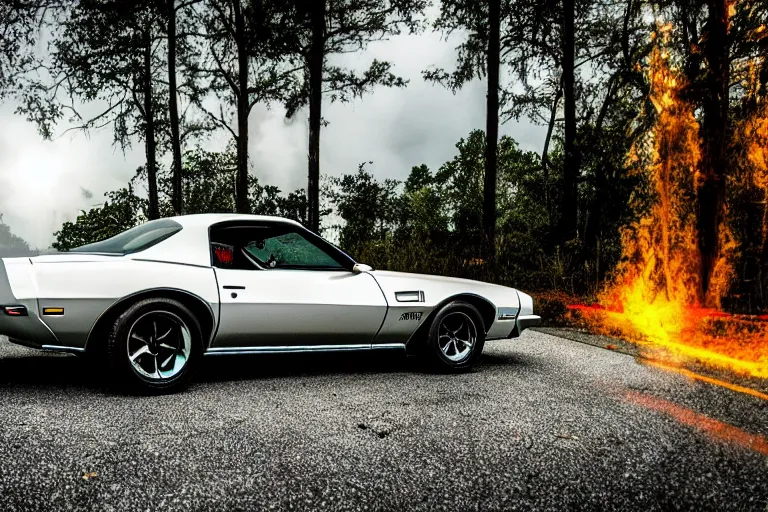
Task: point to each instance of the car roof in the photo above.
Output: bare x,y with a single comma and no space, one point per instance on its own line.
190,245
205,220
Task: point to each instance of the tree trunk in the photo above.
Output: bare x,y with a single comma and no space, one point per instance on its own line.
149,127
242,203
173,110
568,211
545,151
315,68
593,225
491,128
714,130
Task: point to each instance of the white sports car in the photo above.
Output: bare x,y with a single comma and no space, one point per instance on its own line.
156,298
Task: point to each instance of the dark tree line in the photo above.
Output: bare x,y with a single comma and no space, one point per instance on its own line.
164,73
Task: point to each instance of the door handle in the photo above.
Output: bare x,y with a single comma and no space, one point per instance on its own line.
233,287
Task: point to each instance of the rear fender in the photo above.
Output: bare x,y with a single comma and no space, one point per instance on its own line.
17,288
200,308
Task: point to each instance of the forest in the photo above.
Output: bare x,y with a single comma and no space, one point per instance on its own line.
651,179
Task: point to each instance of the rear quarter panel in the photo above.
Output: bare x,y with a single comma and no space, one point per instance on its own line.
86,289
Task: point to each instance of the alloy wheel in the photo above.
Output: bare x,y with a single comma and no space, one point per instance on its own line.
159,345
457,335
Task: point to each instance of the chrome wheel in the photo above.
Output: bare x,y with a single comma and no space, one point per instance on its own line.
159,344
456,336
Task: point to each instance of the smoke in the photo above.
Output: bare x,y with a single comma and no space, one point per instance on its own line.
43,183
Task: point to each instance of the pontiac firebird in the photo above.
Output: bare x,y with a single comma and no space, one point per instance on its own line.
156,298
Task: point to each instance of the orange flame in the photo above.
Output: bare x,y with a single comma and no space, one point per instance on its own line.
653,298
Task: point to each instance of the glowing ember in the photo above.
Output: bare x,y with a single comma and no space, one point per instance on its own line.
710,380
653,298
714,428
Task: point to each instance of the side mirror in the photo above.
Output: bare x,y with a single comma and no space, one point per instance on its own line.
361,267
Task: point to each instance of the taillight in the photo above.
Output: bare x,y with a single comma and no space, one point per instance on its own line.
15,310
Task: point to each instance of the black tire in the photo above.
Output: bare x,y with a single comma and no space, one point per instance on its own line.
453,360
122,341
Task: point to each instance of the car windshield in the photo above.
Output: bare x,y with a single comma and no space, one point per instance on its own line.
135,239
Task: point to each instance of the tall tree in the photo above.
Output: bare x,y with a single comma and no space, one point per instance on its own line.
148,114
103,55
181,25
315,58
173,107
609,103
715,62
492,126
242,65
568,210
713,168
494,36
323,28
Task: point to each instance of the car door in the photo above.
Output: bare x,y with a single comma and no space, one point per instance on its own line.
282,286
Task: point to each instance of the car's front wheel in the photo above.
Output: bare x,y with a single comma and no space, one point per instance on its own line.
154,346
456,337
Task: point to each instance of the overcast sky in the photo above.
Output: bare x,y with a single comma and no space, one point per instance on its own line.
44,183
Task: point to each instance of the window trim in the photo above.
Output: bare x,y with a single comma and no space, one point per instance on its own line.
343,259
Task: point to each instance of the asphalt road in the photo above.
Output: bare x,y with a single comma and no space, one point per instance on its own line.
542,424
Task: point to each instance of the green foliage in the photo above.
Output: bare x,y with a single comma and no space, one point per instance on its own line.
422,214
12,246
208,182
268,200
121,211
239,40
209,187
17,26
460,183
368,207
432,222
96,56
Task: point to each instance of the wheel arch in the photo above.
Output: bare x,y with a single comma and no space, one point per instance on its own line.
201,309
486,308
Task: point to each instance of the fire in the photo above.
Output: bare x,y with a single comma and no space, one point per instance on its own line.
653,298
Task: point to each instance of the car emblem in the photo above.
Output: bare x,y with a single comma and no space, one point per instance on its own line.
412,315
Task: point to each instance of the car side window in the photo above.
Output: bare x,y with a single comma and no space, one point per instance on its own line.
289,250
269,246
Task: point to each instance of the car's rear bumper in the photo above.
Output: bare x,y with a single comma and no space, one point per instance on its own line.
24,327
523,322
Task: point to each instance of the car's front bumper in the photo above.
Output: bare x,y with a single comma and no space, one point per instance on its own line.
523,322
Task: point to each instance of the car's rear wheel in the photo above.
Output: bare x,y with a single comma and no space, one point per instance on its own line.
154,346
456,337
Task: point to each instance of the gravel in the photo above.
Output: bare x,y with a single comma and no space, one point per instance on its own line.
543,423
